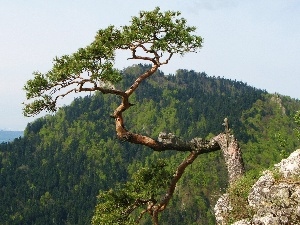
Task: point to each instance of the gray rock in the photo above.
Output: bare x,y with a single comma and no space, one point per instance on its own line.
274,198
222,208
291,165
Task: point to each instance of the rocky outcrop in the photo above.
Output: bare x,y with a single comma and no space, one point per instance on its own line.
274,199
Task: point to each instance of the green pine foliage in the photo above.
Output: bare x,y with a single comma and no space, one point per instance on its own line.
147,183
54,173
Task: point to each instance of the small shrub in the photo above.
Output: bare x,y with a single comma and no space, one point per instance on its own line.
238,196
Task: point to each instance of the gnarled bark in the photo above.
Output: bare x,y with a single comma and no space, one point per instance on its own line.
232,156
225,142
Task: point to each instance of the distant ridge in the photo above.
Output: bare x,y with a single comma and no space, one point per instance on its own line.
7,135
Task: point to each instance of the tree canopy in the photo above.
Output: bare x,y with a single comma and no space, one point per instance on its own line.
153,37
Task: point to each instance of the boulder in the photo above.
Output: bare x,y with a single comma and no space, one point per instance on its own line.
274,198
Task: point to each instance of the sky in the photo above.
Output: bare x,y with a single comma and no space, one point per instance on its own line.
253,41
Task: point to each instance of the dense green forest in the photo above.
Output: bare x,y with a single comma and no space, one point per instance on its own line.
53,174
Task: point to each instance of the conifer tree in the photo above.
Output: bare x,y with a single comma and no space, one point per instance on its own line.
152,37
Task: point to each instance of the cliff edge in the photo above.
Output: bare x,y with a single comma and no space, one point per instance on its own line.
273,199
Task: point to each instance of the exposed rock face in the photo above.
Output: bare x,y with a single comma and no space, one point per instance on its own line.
222,208
291,166
274,198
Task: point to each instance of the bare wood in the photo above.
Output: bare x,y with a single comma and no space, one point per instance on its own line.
232,156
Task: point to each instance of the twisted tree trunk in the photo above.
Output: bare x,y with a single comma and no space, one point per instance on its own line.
226,142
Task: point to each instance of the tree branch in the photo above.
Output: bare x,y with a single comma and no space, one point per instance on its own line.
233,160
171,142
141,78
178,174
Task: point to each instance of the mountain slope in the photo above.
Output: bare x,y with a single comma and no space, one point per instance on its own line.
54,173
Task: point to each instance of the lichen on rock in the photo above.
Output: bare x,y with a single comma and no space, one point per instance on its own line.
274,198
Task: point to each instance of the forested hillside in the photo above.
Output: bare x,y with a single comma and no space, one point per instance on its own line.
53,174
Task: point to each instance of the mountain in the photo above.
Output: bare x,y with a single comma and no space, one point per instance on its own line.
7,135
53,174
